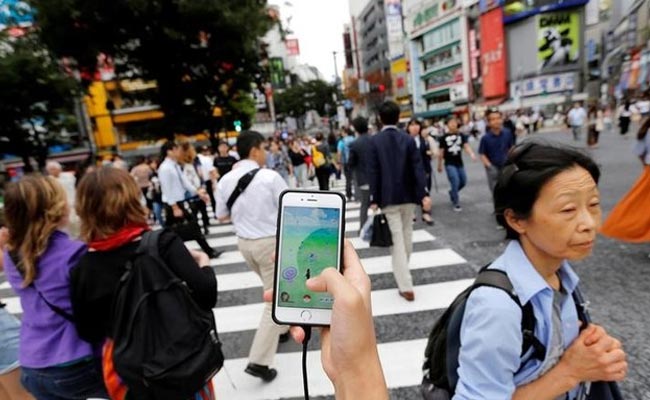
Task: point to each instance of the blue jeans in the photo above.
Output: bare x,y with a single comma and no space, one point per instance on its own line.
78,381
157,212
457,181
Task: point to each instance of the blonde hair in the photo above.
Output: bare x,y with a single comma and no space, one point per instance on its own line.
189,152
35,206
108,199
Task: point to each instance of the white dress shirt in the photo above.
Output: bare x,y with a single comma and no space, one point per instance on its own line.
173,182
254,214
207,166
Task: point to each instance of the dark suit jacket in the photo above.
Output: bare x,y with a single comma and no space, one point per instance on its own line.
395,169
358,160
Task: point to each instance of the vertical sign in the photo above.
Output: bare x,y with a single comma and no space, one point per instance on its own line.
493,54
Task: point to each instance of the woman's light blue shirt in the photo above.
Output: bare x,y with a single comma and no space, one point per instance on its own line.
491,340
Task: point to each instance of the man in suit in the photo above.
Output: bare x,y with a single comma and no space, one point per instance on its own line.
397,183
358,163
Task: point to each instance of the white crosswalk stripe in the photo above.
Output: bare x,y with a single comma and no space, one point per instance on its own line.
401,359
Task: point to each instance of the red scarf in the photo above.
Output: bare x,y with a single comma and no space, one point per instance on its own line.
119,238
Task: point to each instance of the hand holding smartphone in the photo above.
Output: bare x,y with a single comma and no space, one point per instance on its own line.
309,238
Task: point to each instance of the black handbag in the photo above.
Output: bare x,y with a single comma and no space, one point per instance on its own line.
381,235
187,227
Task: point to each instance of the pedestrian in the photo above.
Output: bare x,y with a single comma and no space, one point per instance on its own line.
113,223
176,189
208,173
224,161
629,221
119,162
191,168
155,193
254,212
278,160
576,118
494,146
335,168
595,126
141,172
624,117
321,156
298,161
414,129
397,184
69,182
10,386
56,363
452,144
358,162
643,105
547,199
343,159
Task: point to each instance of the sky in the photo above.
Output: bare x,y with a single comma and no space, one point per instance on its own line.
318,26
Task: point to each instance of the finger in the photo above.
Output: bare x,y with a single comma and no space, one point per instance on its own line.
329,281
616,345
297,333
268,295
354,271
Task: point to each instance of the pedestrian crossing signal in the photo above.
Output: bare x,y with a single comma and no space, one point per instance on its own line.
237,125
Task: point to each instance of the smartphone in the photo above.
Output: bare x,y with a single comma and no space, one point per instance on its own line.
310,235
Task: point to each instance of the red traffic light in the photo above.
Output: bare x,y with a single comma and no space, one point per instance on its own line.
382,88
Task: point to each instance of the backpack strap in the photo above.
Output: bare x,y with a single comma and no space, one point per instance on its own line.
242,184
499,279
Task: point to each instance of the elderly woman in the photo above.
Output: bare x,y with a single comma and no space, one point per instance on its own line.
548,201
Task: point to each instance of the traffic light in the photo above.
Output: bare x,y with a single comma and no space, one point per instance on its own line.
381,88
237,125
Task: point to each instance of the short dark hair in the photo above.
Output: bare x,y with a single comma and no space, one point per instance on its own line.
415,121
168,145
389,113
247,141
360,125
529,167
319,136
492,110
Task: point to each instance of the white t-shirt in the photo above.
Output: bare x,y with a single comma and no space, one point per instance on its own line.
207,166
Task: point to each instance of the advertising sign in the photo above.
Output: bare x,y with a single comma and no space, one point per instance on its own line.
515,10
425,15
293,47
558,40
459,93
493,54
276,67
399,75
544,84
395,29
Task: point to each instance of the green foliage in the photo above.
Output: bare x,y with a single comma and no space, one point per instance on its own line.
35,97
313,95
202,53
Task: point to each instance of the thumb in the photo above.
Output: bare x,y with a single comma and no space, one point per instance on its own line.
330,281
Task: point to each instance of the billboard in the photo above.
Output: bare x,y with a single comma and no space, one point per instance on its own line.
558,40
515,10
493,54
394,29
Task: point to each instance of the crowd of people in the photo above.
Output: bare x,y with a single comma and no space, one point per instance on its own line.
545,197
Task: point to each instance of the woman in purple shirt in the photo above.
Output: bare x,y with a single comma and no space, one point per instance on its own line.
56,363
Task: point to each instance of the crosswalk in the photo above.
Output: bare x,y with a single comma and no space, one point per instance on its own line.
439,274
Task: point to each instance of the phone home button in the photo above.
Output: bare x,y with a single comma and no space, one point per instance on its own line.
305,315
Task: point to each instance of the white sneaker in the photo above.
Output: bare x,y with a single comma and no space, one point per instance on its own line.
458,208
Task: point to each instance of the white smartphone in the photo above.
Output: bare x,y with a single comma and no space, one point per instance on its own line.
310,235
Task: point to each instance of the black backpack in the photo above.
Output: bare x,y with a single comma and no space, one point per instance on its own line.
165,346
441,355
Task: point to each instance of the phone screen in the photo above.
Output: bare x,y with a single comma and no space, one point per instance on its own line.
310,243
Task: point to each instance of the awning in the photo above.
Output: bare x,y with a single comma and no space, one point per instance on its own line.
434,113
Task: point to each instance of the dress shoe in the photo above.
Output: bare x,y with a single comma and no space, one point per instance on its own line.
261,371
408,296
215,253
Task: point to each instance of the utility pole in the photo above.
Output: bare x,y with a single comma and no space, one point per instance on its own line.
336,71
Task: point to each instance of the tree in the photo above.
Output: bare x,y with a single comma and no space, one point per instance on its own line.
313,95
35,96
201,53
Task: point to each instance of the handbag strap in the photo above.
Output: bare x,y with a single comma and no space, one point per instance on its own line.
242,184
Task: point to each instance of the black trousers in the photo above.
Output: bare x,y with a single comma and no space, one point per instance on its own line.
187,228
209,187
347,171
198,206
323,175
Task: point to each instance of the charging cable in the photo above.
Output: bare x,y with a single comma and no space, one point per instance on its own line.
305,385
